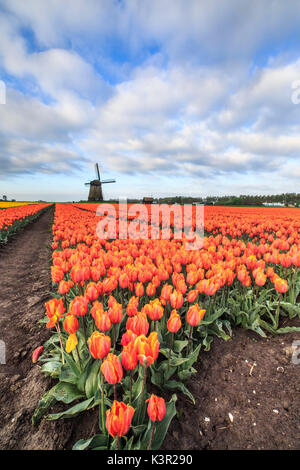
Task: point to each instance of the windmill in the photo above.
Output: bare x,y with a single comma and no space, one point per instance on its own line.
96,193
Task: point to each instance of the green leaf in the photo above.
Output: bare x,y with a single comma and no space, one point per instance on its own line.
67,392
192,358
179,345
129,443
73,411
216,329
47,400
99,440
91,383
292,310
51,368
288,329
208,320
137,430
173,385
67,375
184,375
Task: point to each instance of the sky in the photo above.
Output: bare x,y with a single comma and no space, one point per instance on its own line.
170,97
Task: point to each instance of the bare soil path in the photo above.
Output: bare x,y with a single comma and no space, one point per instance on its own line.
25,286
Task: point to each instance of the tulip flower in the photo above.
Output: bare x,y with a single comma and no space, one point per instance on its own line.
174,322
156,310
127,337
132,306
118,419
156,411
176,299
91,292
71,325
129,361
147,352
79,307
99,345
193,318
156,408
173,325
36,354
55,310
112,370
57,274
138,324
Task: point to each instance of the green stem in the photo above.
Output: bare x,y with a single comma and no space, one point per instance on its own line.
78,357
188,345
130,399
171,347
152,436
277,312
142,394
102,401
60,341
114,336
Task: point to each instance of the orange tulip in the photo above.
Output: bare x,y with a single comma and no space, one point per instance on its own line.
78,306
174,322
54,311
112,370
195,315
281,285
115,313
132,306
155,311
127,337
156,408
118,419
71,324
129,356
99,345
138,324
57,274
91,292
176,299
139,289
147,348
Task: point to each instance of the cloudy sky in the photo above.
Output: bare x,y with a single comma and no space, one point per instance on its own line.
171,97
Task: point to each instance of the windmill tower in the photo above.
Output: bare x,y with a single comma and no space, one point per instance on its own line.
96,193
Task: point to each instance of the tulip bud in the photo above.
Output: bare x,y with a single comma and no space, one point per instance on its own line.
118,419
156,408
36,354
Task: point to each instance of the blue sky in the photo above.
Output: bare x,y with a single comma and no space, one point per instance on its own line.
171,97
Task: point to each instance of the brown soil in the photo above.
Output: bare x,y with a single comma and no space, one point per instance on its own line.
26,284
256,381
248,376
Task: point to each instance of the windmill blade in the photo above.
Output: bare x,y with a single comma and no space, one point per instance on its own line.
97,171
108,181
87,184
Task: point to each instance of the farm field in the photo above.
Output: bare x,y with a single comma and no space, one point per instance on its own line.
221,323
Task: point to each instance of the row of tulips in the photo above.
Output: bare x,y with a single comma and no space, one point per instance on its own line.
130,316
14,218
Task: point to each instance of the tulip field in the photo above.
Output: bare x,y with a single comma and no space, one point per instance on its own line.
15,216
128,318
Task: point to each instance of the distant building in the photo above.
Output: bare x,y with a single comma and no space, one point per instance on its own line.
147,200
276,204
